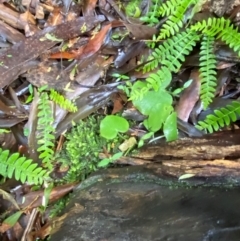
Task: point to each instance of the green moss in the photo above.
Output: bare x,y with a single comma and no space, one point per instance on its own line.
82,147
132,9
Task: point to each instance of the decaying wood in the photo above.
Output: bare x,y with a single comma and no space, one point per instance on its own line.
220,169
12,18
215,146
223,169
214,156
11,34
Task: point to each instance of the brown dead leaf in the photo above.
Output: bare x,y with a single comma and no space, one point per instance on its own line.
118,102
189,97
89,7
41,233
9,197
34,199
224,65
39,12
94,44
32,47
55,17
88,50
63,55
4,227
140,32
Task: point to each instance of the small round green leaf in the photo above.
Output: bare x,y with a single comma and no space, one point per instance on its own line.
111,125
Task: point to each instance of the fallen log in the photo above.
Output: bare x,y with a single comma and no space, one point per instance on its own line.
225,144
214,157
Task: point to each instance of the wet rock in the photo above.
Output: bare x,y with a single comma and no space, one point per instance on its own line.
136,203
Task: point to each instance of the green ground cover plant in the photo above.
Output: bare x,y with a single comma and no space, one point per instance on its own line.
170,47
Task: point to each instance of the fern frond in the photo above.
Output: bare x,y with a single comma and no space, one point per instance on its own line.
212,26
62,101
231,37
221,28
45,129
171,53
222,117
160,79
175,10
153,14
139,89
207,71
22,169
168,8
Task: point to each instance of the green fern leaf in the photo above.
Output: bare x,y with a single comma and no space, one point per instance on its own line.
62,101
231,37
172,52
212,26
207,71
175,10
45,129
168,8
160,79
22,169
220,28
132,8
11,160
221,118
170,55
153,14
20,161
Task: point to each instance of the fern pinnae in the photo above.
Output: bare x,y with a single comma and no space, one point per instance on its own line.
204,26
173,50
152,15
220,28
45,130
208,73
168,8
131,9
212,26
170,55
160,79
12,165
231,37
175,10
221,117
62,101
